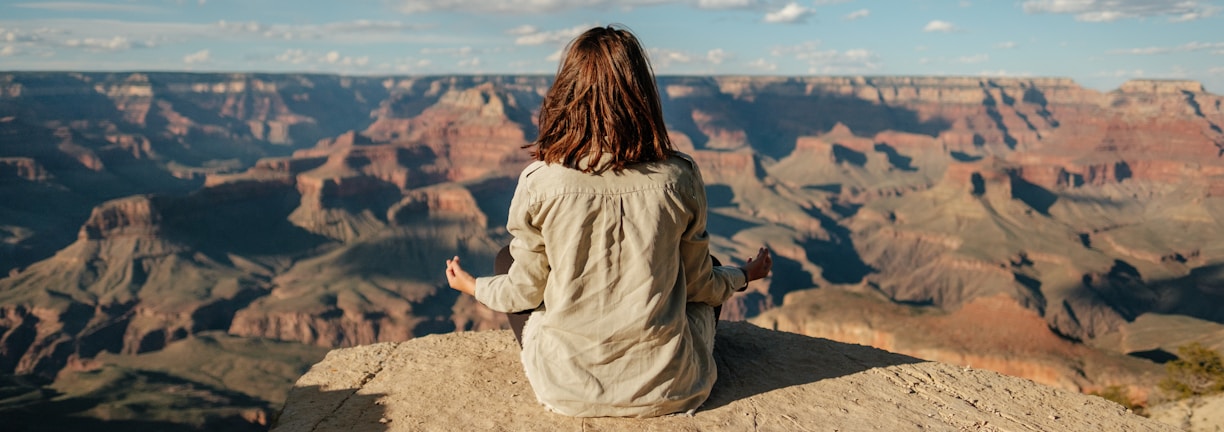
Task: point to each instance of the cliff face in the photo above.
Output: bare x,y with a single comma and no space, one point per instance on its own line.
139,209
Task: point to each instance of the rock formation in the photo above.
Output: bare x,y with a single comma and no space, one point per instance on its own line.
767,381
138,209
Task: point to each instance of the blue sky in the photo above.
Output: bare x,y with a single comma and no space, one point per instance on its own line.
1098,43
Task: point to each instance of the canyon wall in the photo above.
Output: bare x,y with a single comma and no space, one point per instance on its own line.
140,209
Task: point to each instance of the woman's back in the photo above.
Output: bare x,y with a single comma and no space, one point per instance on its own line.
615,337
611,257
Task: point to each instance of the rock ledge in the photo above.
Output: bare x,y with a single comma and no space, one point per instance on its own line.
768,380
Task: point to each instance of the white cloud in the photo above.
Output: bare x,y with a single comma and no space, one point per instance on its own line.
367,26
302,57
116,43
663,58
529,35
1005,45
858,14
8,50
792,13
1187,47
939,26
17,35
763,64
830,61
1218,70
201,56
470,62
86,7
248,27
1113,10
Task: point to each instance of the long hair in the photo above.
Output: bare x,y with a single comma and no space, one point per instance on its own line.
603,101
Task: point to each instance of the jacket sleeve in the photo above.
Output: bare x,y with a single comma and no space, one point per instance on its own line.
705,283
522,288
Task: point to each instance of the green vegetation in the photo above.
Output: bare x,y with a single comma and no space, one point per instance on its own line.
1198,371
1121,396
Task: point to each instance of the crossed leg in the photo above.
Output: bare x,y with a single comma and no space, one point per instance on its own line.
518,320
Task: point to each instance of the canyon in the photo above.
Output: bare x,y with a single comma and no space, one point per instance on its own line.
1025,225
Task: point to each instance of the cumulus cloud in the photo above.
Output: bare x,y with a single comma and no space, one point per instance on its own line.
299,57
940,27
1005,45
1113,10
792,13
116,43
1187,47
830,60
17,35
663,58
530,35
201,56
762,64
8,50
856,15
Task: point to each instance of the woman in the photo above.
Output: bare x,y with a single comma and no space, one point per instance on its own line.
610,250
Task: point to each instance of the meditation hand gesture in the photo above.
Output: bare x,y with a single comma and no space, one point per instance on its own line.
757,268
459,279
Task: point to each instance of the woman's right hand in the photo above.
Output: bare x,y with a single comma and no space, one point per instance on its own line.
757,268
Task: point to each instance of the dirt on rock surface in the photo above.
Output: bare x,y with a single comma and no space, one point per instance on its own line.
768,381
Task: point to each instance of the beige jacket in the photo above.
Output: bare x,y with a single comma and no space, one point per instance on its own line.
621,265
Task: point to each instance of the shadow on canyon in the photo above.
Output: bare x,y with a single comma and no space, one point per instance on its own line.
773,120
124,401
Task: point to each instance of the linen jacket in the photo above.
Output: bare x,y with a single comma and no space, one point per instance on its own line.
617,269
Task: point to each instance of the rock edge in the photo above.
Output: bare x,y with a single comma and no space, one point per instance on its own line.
768,380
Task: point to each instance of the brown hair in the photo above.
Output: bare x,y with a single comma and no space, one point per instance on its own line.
604,100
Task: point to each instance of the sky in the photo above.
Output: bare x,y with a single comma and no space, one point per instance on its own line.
1098,43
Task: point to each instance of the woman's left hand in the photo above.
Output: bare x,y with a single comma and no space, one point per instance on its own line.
459,279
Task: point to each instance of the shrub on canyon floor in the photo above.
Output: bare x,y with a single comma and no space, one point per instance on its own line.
1121,396
1197,371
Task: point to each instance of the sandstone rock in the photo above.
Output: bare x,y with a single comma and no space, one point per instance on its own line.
768,380
1197,414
